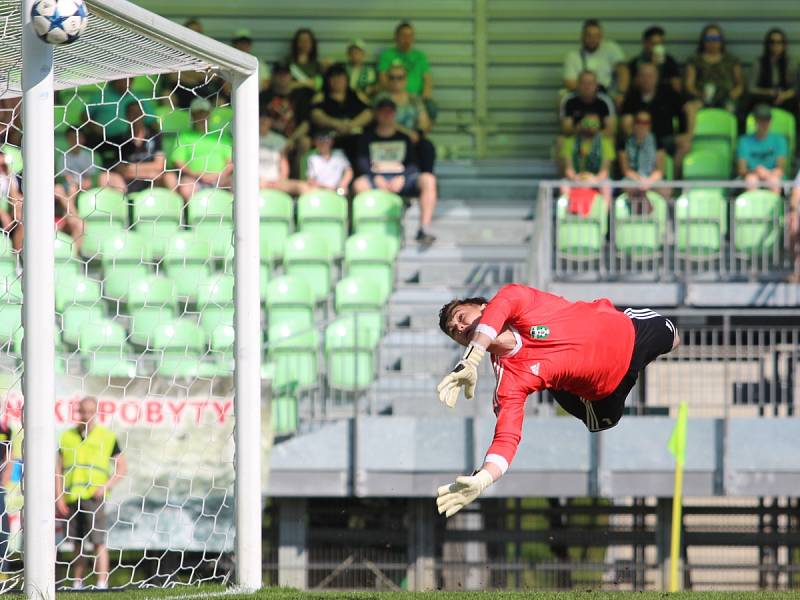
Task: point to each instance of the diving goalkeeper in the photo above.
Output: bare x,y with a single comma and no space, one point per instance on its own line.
587,354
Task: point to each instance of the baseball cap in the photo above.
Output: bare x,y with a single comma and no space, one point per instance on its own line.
324,134
385,103
762,111
243,34
200,104
357,43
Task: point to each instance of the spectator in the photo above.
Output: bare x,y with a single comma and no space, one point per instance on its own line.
89,464
328,168
761,156
288,110
361,76
603,57
10,192
775,76
412,116
273,166
243,40
185,86
654,51
587,157
341,109
304,64
641,157
141,163
202,157
713,76
794,229
77,167
66,216
419,81
587,99
664,107
6,467
387,161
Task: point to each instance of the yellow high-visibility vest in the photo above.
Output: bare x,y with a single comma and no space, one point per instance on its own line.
86,462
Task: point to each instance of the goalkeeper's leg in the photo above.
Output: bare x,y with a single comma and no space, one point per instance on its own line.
597,415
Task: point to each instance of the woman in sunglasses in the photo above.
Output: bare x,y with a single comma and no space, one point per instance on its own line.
713,76
775,74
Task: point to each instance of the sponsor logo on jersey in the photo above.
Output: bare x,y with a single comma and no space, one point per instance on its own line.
540,332
535,369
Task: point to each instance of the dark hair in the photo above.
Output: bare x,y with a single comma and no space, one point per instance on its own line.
312,55
765,68
279,68
447,310
653,30
590,23
193,21
703,34
402,25
334,70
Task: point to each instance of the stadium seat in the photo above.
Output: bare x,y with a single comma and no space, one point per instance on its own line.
275,209
105,350
701,221
308,257
293,348
784,123
378,211
174,121
362,298
221,343
220,118
215,298
124,258
289,299
706,164
756,220
371,256
150,303
209,320
157,216
65,256
640,236
13,158
210,214
82,291
77,317
10,322
324,213
104,212
718,124
187,262
350,355
8,256
581,238
284,415
179,347
11,289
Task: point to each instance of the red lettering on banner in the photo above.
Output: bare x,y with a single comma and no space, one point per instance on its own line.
59,411
222,409
177,409
129,412
74,415
154,414
198,410
106,410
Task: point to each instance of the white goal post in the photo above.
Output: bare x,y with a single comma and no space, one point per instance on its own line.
123,40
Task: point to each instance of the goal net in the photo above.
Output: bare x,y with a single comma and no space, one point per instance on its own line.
155,410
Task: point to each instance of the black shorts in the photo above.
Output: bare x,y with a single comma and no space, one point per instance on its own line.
654,335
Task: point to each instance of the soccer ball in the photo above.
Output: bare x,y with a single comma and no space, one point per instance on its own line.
59,21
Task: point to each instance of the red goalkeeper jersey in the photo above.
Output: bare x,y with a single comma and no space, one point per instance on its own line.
580,347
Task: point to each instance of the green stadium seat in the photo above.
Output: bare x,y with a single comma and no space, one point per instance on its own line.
721,148
308,257
151,302
350,355
784,123
275,209
105,349
669,167
103,204
324,213
157,216
579,237
640,236
701,221
221,344
13,158
124,258
187,262
371,256
284,415
210,319
82,291
362,298
67,263
757,222
289,299
220,118
215,298
378,211
293,348
10,322
11,289
75,318
174,121
706,164
210,214
180,347
716,123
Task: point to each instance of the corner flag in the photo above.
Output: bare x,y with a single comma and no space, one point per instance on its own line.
677,445
677,441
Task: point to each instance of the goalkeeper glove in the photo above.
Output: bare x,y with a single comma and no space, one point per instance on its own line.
452,498
465,374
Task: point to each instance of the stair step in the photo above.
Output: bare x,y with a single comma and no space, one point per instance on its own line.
443,252
459,208
415,273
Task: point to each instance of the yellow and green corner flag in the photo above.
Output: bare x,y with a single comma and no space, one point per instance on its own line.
677,445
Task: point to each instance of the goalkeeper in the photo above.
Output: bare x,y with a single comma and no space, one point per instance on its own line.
587,354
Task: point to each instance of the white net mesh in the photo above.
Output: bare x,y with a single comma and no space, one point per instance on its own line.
143,310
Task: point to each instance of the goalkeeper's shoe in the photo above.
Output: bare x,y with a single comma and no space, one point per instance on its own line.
455,496
464,374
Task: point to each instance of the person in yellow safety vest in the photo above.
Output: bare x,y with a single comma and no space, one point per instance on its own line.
89,464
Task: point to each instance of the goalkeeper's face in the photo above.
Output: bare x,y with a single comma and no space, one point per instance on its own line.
463,320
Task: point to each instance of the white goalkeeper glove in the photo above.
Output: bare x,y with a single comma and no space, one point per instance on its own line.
464,374
455,496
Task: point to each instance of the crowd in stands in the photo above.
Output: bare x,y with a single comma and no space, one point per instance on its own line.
630,124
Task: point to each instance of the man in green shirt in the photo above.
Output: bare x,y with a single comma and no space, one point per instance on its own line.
203,158
415,61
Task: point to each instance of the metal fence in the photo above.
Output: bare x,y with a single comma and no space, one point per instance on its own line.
713,230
